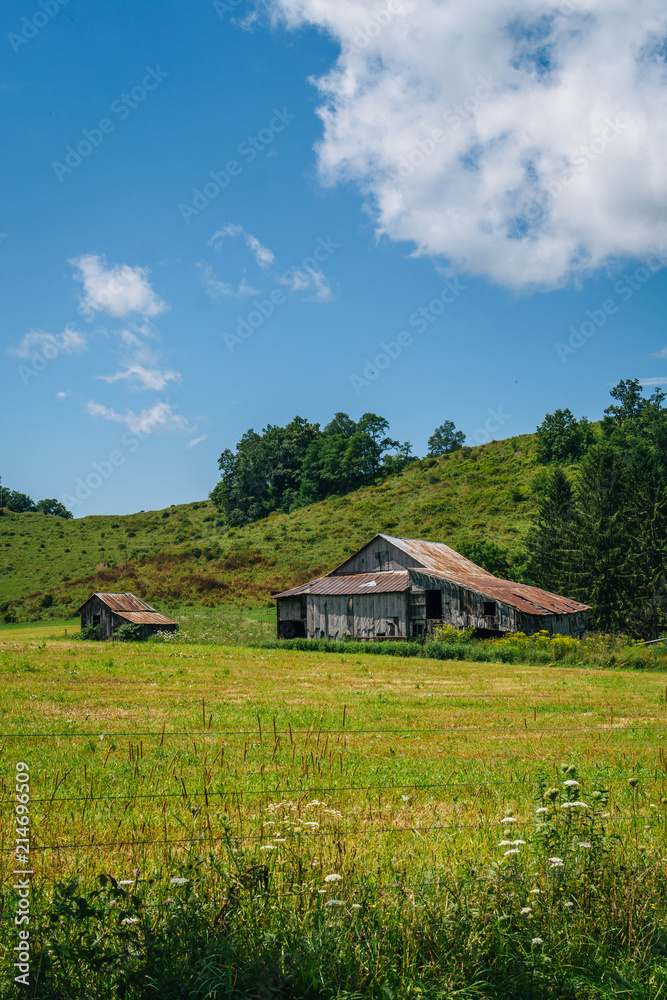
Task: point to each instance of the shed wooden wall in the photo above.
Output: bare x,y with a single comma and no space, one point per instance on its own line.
97,607
376,556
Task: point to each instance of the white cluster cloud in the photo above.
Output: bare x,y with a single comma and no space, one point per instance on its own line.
117,289
523,141
159,416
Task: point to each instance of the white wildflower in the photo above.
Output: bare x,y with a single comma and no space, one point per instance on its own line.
315,802
571,783
509,819
267,847
584,843
333,877
556,862
535,892
504,843
126,881
537,941
335,902
130,920
311,823
176,880
574,805
356,906
568,905
541,810
279,840
524,911
515,843
515,850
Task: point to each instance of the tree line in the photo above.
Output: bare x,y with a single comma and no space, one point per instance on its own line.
20,503
601,530
285,468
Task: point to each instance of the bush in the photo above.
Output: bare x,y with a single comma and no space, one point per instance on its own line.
128,633
89,633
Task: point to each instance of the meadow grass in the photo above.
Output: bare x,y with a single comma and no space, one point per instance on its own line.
219,821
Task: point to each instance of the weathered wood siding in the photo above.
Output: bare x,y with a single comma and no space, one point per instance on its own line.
289,608
571,624
376,556
461,607
364,615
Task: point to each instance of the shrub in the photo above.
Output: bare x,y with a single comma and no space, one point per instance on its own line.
89,633
128,633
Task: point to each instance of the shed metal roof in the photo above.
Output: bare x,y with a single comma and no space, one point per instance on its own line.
121,602
145,618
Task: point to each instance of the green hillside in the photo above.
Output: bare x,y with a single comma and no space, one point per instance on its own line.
186,554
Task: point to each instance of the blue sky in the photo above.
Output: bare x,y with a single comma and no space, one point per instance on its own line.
403,222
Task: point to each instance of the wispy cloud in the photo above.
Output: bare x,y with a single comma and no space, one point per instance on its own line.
304,278
160,416
137,376
214,288
654,381
262,254
48,344
196,441
117,289
662,354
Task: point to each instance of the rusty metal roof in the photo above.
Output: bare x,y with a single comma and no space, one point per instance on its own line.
531,600
436,556
355,583
120,602
124,602
145,618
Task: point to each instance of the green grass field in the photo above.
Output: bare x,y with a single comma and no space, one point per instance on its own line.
186,555
329,825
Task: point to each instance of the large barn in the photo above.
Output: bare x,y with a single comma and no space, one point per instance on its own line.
109,611
403,588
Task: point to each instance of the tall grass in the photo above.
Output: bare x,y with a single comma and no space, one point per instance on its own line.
595,650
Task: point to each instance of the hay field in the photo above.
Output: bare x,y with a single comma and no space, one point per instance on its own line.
437,794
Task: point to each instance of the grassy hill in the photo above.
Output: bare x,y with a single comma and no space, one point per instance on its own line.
187,555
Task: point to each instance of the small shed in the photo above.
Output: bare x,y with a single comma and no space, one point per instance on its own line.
403,588
109,611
